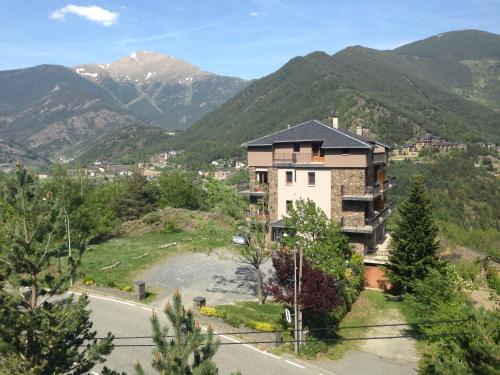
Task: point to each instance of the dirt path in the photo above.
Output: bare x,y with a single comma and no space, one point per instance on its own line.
379,357
397,349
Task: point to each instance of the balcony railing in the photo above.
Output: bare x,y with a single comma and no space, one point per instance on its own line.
378,158
378,256
353,226
359,193
389,183
297,158
257,215
370,223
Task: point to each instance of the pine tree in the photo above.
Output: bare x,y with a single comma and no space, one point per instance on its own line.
414,246
41,330
187,351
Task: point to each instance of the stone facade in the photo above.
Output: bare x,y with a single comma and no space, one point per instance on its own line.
355,181
253,180
273,193
353,213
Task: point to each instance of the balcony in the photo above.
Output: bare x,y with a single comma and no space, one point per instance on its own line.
259,215
389,183
292,158
370,223
352,226
379,255
378,158
256,190
354,193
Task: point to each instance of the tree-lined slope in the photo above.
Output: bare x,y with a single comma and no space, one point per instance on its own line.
395,93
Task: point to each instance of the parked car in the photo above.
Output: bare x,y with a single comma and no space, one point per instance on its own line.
240,239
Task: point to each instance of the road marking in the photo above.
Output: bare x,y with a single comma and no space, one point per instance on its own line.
231,339
294,364
270,354
204,328
113,300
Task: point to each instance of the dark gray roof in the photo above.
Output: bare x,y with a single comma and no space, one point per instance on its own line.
314,130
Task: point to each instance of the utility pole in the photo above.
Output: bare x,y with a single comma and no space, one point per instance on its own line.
68,231
299,309
295,306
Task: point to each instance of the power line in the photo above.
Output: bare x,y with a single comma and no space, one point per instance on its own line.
429,322
292,341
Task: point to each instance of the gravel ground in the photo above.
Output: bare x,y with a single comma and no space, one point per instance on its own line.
214,276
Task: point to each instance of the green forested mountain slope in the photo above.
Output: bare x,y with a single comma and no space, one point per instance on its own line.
131,144
395,93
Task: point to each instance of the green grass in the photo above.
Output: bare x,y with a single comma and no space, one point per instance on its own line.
369,307
272,313
125,249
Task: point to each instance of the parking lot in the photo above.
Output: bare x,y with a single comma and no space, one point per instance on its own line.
216,276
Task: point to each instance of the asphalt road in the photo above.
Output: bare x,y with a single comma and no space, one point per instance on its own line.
125,318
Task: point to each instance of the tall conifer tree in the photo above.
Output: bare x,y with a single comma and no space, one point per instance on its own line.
414,246
41,330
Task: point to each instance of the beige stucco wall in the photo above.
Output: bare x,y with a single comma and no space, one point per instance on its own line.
355,159
379,149
319,193
260,157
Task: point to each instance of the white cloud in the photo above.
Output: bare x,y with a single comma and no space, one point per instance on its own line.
258,14
92,13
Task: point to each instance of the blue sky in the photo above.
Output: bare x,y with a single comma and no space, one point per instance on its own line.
245,38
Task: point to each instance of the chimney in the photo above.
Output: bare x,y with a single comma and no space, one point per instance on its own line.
335,120
359,130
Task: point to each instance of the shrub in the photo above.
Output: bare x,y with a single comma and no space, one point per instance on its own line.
88,281
492,278
171,227
249,323
208,311
468,270
151,218
127,289
312,348
233,321
266,327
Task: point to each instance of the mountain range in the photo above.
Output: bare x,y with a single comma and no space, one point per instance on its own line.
447,85
58,111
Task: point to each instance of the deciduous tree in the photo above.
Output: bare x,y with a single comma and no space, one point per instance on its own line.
256,252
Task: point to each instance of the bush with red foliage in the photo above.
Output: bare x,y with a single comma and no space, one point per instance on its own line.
319,294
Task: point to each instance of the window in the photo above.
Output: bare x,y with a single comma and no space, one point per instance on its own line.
311,178
289,206
289,178
345,151
296,147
